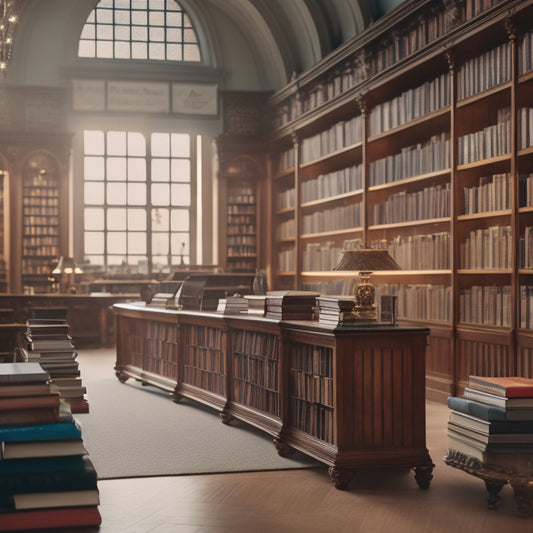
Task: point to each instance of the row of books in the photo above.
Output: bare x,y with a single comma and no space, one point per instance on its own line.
47,479
286,261
525,53
290,305
418,252
342,134
425,204
492,194
286,199
526,306
255,344
257,397
488,248
485,71
493,419
525,128
321,256
203,379
491,141
203,336
313,418
257,371
286,160
411,104
335,219
243,195
349,179
489,305
414,160
204,358
286,229
311,388
525,190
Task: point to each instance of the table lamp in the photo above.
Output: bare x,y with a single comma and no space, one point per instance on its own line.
365,261
65,272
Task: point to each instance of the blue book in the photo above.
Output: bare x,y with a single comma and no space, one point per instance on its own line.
487,411
55,431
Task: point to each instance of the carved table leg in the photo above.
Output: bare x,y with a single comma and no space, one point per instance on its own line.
493,488
424,475
176,397
340,477
225,417
523,497
283,449
121,376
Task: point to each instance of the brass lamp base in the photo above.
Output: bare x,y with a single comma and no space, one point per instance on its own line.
364,293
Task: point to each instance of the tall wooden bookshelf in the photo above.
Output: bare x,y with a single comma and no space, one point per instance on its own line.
417,137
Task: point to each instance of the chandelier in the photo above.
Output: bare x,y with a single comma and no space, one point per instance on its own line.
10,13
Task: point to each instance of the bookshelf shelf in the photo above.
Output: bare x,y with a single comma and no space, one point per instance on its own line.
321,390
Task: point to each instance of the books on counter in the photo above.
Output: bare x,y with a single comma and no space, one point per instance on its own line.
335,310
256,304
232,305
510,387
291,305
497,400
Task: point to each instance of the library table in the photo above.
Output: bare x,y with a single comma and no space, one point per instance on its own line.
350,397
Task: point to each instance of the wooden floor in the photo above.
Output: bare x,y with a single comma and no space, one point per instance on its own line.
305,500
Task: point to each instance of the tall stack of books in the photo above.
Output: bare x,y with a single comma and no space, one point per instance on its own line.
47,479
232,305
48,342
494,417
291,305
335,310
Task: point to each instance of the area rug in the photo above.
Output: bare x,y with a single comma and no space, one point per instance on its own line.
138,431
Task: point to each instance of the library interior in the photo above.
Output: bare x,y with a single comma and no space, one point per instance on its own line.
313,218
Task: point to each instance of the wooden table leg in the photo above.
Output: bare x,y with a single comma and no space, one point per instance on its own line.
493,488
523,496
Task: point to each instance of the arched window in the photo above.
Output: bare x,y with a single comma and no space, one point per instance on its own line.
157,30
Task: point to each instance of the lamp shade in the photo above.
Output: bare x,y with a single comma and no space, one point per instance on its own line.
367,261
66,265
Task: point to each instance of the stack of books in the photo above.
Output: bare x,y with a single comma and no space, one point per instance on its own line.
291,305
256,304
47,342
335,310
232,305
47,479
494,417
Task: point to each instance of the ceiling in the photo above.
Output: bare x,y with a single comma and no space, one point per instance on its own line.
255,44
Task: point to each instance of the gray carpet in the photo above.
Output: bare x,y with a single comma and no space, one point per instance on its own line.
136,431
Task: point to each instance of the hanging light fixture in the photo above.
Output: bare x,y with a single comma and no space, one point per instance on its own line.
10,13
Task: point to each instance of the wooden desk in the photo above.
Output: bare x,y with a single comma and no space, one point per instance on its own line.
496,470
351,397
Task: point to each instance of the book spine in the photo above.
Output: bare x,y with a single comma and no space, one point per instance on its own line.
63,430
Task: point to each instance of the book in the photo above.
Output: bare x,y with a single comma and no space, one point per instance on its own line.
14,403
49,474
25,389
499,401
47,328
33,415
50,518
493,438
46,448
509,387
47,500
487,411
39,432
21,372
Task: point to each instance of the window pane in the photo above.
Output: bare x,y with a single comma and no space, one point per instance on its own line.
136,243
157,18
88,32
180,244
181,145
139,17
104,49
136,144
116,168
104,34
191,52
136,193
122,33
160,144
122,16
94,142
156,51
181,194
94,168
94,242
122,50
95,260
160,170
140,33
116,143
87,49
94,218
104,16
160,194
94,193
137,219
116,193
160,219
181,170
136,169
174,52
174,35
173,19
160,244
139,51
180,220
116,242
116,219
115,260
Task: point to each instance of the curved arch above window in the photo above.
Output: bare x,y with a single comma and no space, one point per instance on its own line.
155,30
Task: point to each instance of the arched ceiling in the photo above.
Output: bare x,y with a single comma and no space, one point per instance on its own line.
256,44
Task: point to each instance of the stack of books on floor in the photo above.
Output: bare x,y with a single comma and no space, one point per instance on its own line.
48,342
335,310
494,417
47,480
291,305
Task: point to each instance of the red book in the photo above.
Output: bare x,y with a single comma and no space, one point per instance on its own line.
30,402
50,518
507,387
